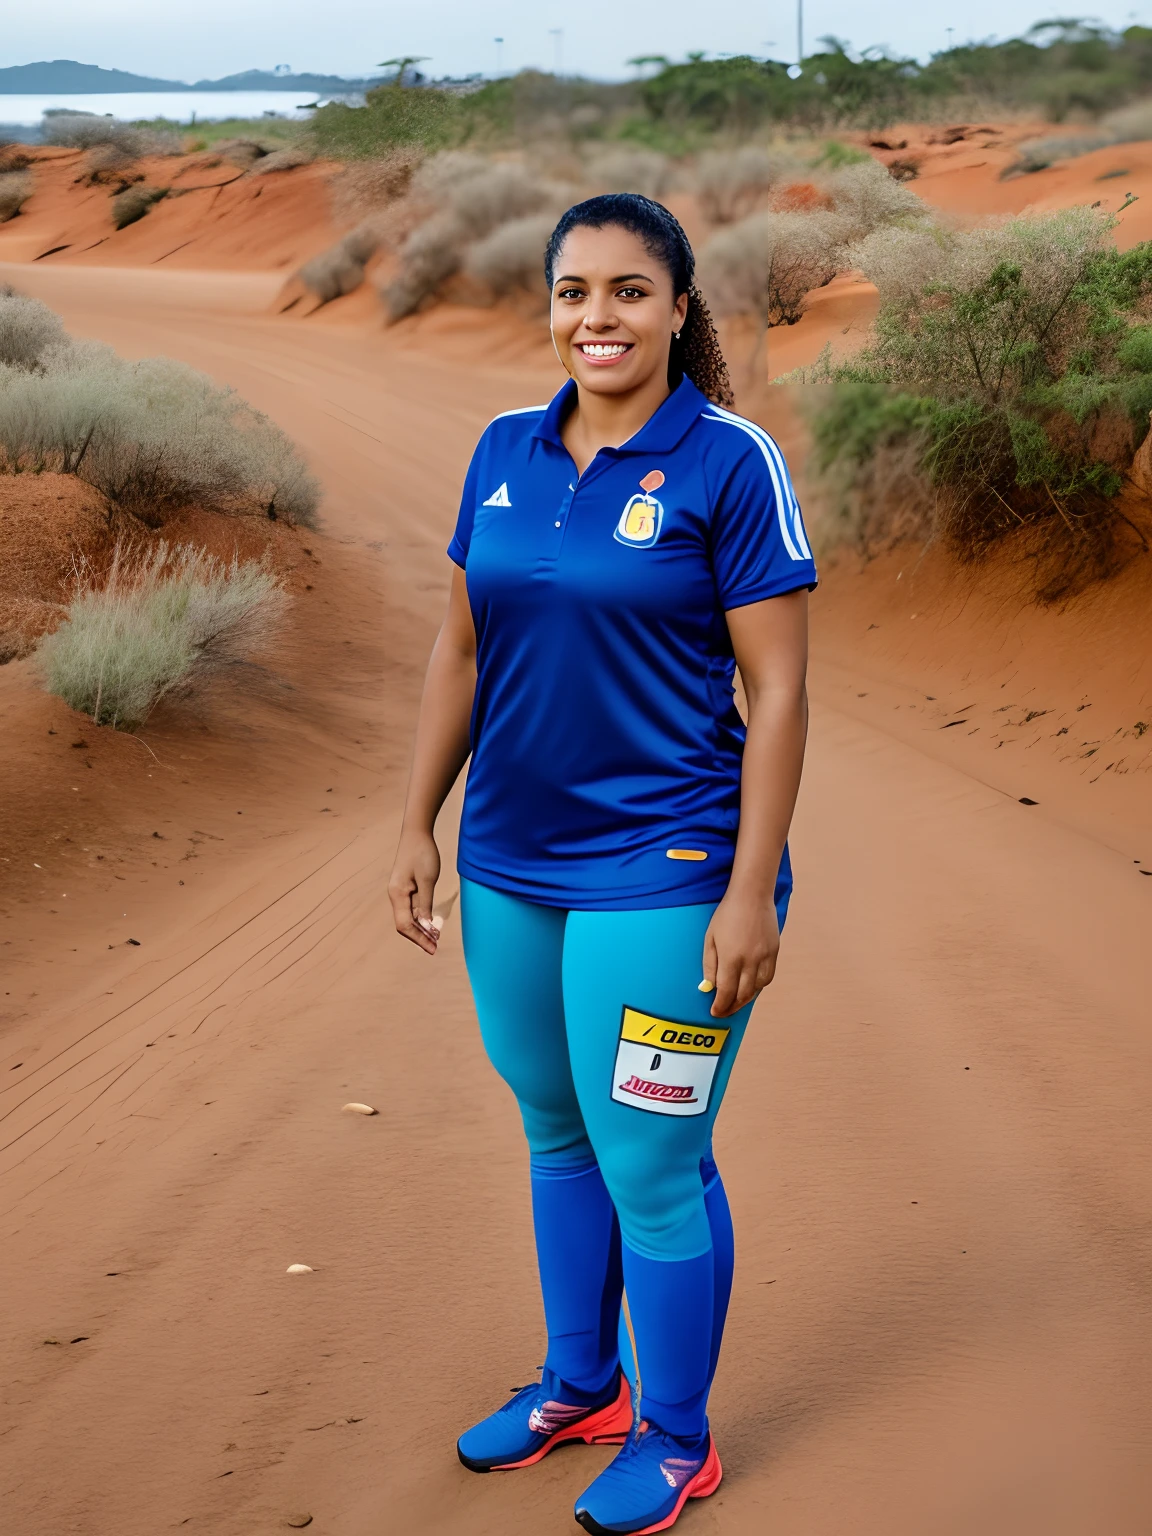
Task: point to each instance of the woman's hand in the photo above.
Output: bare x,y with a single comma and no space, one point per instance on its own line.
412,886
740,950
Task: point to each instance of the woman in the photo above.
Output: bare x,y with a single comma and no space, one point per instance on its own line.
624,869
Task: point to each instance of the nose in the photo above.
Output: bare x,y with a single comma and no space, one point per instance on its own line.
600,314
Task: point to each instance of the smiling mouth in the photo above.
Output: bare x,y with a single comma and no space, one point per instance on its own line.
604,351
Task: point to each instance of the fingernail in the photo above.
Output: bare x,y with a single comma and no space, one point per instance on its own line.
706,986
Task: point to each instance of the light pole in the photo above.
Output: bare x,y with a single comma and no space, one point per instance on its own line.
499,41
557,34
800,32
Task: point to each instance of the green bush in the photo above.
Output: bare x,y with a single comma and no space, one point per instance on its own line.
153,623
1015,364
393,115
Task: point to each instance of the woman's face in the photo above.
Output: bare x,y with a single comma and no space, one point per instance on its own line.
613,311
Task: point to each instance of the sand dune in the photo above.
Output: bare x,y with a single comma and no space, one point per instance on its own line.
935,1143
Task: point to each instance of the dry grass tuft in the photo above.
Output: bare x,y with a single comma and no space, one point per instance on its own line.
151,435
471,198
131,205
29,331
731,184
340,269
431,254
901,260
15,190
767,264
82,130
866,197
155,621
366,186
288,159
631,170
511,258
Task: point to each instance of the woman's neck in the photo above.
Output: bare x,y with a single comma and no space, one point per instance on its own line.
607,421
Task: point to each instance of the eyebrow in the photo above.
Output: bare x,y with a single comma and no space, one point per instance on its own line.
628,277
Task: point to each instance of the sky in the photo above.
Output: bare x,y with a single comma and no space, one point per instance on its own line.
220,37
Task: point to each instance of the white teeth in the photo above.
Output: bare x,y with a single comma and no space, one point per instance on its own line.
602,349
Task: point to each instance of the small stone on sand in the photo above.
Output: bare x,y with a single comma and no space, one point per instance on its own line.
299,1269
359,1109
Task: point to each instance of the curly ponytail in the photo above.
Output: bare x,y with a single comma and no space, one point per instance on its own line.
697,353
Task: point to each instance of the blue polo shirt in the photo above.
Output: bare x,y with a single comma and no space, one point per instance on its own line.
606,743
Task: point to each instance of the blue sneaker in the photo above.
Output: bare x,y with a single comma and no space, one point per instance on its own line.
531,1424
648,1484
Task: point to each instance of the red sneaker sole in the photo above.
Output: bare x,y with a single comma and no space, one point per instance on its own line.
706,1481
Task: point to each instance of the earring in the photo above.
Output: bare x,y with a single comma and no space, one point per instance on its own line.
675,335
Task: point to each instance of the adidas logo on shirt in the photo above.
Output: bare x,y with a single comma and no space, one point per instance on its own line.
499,498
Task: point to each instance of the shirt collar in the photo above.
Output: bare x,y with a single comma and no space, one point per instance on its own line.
663,430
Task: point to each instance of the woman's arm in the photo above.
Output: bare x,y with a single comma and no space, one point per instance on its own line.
770,640
441,751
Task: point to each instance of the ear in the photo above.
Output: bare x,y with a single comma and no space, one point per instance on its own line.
679,312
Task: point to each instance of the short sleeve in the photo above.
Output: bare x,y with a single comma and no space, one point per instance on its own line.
462,537
759,546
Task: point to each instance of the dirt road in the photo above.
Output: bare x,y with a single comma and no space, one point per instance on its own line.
935,1144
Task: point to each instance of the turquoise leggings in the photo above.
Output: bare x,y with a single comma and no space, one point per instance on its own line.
596,1023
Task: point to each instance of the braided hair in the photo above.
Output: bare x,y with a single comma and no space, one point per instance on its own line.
697,350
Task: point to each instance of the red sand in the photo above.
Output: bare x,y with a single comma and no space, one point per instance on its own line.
936,1142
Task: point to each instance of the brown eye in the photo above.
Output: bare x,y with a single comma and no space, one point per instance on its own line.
569,293
631,293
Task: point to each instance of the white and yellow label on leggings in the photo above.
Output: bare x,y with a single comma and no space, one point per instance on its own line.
664,1066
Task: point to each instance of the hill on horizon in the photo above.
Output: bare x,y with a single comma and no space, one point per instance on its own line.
68,77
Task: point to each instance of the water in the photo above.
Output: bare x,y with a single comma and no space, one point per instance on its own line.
177,106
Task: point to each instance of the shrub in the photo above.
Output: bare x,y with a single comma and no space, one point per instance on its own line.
392,115
495,195
438,176
1128,125
133,203
512,257
474,197
901,260
369,185
429,256
288,159
834,156
83,130
29,330
1016,362
242,153
109,162
767,264
866,197
15,190
731,184
340,269
151,435
154,622
630,170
